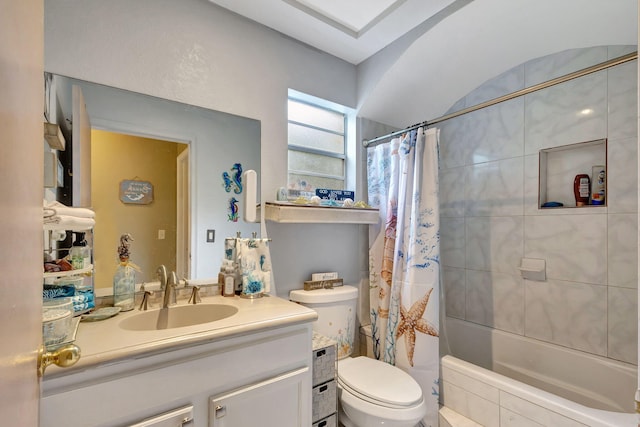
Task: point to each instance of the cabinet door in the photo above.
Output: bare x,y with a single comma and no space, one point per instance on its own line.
276,402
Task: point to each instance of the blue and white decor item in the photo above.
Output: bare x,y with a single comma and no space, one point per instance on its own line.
404,258
255,266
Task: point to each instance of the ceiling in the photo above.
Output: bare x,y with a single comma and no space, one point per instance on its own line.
352,30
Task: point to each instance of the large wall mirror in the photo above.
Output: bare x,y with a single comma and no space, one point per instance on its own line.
190,157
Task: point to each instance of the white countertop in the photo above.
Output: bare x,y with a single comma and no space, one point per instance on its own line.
105,341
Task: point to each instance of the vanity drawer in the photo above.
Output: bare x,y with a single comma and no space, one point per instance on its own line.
331,421
324,400
324,364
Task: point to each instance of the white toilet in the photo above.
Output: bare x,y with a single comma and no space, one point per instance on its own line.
370,392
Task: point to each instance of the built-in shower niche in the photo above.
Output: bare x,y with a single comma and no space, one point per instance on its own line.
558,167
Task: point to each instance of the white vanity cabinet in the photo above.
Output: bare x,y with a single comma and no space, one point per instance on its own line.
251,379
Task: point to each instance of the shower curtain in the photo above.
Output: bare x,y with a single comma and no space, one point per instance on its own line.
404,258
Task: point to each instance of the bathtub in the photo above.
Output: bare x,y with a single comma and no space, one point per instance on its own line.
493,378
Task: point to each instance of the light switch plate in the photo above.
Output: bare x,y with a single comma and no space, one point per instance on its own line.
211,236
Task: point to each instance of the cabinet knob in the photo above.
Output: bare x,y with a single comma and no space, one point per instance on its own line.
64,357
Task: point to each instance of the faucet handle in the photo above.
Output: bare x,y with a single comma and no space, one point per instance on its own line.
145,301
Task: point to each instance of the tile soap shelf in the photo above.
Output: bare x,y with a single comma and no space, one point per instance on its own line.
558,166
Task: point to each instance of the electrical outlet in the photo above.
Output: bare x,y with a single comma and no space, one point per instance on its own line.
160,234
211,236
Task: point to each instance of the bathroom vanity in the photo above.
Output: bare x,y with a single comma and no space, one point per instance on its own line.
252,367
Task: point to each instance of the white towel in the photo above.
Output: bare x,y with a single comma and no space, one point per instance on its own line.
70,222
56,208
255,265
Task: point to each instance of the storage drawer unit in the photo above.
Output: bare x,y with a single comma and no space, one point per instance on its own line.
324,393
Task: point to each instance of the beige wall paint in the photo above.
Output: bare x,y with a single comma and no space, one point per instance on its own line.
116,157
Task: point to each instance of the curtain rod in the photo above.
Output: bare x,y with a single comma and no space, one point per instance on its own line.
583,72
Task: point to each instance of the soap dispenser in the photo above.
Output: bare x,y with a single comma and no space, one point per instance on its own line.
79,253
124,280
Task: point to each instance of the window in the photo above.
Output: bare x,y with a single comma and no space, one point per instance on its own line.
317,147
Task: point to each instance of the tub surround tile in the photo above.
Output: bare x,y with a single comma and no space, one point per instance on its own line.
470,385
572,245
535,413
494,243
622,96
623,324
452,182
472,406
571,112
511,419
452,242
454,291
495,300
503,84
622,256
495,188
622,175
619,50
567,313
549,67
495,132
449,418
454,132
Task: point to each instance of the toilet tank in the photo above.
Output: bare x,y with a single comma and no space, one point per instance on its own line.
336,310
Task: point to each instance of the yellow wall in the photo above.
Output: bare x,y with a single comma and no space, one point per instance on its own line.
116,157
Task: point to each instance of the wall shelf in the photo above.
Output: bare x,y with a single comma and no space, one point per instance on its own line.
284,212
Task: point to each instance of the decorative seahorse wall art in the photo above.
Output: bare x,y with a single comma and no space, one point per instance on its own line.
232,181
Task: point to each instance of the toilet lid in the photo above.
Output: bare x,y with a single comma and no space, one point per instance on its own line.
378,382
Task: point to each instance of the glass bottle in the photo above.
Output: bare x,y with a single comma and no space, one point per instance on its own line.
124,280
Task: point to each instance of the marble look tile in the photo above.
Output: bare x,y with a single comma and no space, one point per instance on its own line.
470,384
511,419
453,135
567,313
510,81
568,113
622,256
531,184
494,243
558,64
454,283
622,175
452,242
623,100
623,324
495,132
472,406
573,246
535,413
619,50
452,182
495,188
495,300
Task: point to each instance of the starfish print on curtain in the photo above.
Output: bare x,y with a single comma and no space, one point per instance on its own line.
412,321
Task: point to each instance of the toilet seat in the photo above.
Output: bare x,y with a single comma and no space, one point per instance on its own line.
378,383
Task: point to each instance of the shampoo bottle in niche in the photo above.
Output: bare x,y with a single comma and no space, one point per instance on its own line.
598,184
79,253
124,280
581,189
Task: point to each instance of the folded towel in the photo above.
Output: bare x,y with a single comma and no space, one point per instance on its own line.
57,208
57,291
70,221
255,265
82,298
83,306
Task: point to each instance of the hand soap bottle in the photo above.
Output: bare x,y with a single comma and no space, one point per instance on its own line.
79,252
124,280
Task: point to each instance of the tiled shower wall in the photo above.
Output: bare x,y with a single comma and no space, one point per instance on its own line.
490,217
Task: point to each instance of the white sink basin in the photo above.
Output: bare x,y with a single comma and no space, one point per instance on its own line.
177,317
